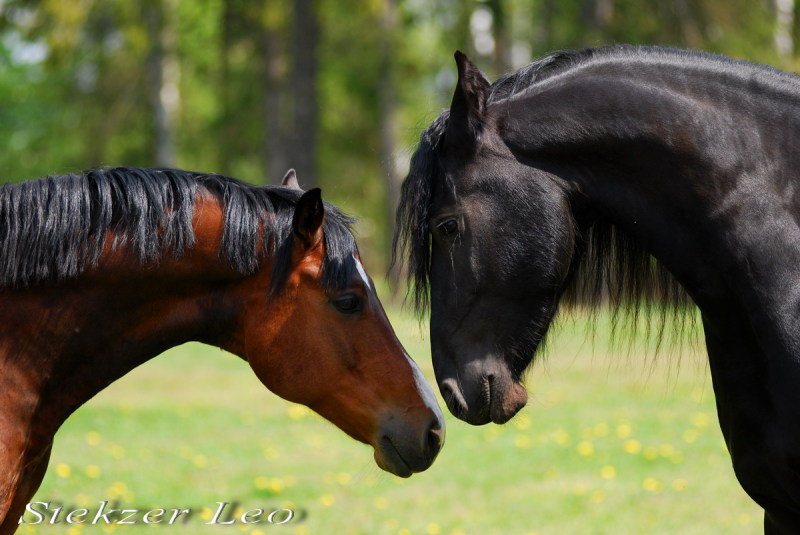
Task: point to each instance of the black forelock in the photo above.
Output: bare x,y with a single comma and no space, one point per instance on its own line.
54,228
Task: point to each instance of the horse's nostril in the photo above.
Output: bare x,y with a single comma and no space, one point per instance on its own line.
434,438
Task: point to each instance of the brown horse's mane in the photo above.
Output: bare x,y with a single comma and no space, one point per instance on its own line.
54,228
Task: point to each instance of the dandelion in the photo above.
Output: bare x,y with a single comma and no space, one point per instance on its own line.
522,442
297,412
522,422
117,451
63,470
679,484
458,531
93,438
601,429
276,484
93,471
585,448
597,496
490,435
433,529
255,531
381,503
327,500
261,482
579,489
624,429
561,437
608,472
200,460
744,519
632,446
206,513
404,531
666,450
651,484
301,530
270,453
650,453
690,435
343,478
701,419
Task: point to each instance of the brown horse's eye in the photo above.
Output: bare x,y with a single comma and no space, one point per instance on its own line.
449,227
347,304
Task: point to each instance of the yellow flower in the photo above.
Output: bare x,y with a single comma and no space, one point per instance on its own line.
63,470
608,472
381,503
404,531
206,513
597,496
343,478
744,519
650,453
522,441
690,435
701,419
579,489
651,484
433,529
624,430
117,451
561,437
632,446
261,482
585,448
93,471
679,484
200,460
297,411
93,438
327,500
522,422
601,429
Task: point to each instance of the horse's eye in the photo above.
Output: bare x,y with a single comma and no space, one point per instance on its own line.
347,304
449,227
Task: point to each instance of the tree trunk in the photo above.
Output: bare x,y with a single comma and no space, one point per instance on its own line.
275,150
502,36
784,30
162,86
303,138
387,108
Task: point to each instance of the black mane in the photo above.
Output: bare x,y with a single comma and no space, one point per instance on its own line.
54,228
613,269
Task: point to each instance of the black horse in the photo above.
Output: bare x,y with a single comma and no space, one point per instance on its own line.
626,174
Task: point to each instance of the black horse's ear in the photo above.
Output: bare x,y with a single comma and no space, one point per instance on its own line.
308,217
290,180
468,109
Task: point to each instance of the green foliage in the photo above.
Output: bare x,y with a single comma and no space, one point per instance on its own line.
86,100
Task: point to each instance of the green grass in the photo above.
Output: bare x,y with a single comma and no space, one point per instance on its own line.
612,442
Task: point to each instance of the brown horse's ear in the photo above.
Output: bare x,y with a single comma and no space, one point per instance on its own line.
468,109
308,217
290,180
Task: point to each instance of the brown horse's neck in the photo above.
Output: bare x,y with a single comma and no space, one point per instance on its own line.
60,344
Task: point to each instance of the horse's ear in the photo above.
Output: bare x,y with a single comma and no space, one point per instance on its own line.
468,109
290,180
308,217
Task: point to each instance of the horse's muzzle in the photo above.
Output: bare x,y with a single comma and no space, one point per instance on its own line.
403,448
492,398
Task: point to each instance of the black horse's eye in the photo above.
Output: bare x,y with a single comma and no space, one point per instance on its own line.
347,304
449,227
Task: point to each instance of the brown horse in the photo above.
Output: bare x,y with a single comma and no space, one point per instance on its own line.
104,270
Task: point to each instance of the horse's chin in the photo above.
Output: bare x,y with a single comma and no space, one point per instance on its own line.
505,404
390,460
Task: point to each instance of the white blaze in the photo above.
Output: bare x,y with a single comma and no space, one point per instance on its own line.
423,387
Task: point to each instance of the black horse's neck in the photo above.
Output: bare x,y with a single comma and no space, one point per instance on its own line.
700,167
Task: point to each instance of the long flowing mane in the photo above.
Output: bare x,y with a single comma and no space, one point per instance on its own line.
613,268
55,228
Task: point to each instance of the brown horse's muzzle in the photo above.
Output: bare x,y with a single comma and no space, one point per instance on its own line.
404,447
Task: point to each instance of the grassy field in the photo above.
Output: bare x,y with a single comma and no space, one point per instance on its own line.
612,442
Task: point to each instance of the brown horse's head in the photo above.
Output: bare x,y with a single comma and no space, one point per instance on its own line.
313,330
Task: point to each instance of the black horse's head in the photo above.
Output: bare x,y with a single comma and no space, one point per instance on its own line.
493,238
